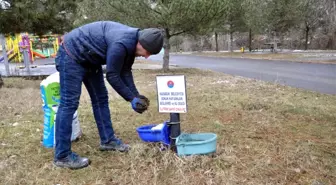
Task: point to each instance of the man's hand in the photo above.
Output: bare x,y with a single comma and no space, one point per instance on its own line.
139,105
144,98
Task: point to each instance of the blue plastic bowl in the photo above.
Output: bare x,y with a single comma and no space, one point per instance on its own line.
147,135
196,144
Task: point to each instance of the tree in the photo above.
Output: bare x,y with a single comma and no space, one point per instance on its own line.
230,21
329,18
174,17
309,16
176,42
281,15
254,17
37,16
234,19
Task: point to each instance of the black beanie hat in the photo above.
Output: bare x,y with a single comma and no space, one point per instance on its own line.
151,39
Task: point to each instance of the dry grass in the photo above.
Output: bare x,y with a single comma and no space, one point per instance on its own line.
142,61
294,57
267,134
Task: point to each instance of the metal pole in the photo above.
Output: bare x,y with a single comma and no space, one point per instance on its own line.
25,48
26,59
4,53
175,129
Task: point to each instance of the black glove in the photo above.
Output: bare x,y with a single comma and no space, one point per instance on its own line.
139,105
144,98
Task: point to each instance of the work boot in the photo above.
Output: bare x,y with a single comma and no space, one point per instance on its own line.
116,145
72,161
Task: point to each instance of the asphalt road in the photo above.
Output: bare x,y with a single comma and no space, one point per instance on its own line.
314,77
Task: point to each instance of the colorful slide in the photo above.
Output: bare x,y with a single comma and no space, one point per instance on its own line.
8,53
12,57
39,54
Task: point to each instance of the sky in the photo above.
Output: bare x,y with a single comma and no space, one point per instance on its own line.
3,3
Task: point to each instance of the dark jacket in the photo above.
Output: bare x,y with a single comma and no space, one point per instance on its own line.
110,43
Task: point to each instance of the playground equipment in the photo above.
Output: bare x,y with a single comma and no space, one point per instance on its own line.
8,54
13,47
45,46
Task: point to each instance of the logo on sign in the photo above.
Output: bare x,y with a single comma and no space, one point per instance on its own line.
170,84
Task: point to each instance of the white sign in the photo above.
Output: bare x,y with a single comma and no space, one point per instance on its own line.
172,96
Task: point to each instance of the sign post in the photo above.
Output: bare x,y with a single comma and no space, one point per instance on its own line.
172,98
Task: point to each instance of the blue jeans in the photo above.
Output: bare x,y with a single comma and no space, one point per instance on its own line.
72,74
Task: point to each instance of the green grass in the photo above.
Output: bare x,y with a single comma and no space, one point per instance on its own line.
267,134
